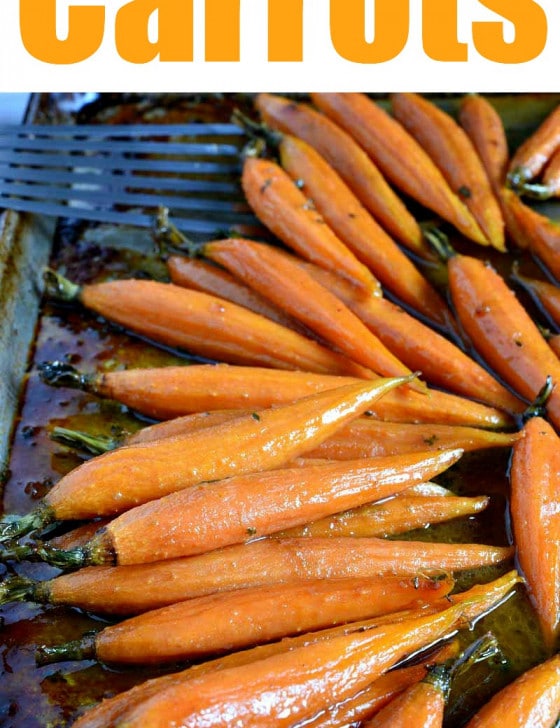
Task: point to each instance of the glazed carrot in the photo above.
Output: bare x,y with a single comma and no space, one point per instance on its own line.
418,346
401,159
502,331
535,517
454,155
350,161
169,392
485,129
547,295
422,705
356,227
202,276
286,211
554,343
297,684
531,701
233,510
205,325
275,275
118,480
363,438
400,514
244,617
531,157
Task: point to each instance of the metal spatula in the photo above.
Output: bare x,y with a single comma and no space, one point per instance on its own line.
122,174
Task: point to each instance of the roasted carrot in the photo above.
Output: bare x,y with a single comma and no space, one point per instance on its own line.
502,331
363,438
274,274
422,705
173,391
401,159
546,294
537,232
418,346
287,212
551,175
534,474
531,157
350,161
454,155
531,701
554,343
205,325
252,505
319,674
357,228
216,281
120,479
485,129
244,617
402,513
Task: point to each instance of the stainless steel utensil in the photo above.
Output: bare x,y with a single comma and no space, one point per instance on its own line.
122,174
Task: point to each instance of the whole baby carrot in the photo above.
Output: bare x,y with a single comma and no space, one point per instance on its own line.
405,512
546,294
540,234
502,331
252,505
206,325
208,278
531,701
534,474
453,153
350,161
363,438
485,129
356,227
551,175
441,362
292,686
401,159
244,617
167,392
531,157
275,275
118,480
291,216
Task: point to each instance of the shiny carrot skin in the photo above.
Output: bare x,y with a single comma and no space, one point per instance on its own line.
539,233
422,705
485,129
274,274
256,504
453,153
350,161
554,343
244,617
113,482
400,514
441,362
546,294
401,159
209,326
356,227
534,477
502,331
208,278
287,212
531,701
297,684
531,157
174,391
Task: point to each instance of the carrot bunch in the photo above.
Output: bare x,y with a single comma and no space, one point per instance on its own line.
262,526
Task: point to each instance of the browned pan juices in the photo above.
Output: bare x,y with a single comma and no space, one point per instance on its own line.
54,695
